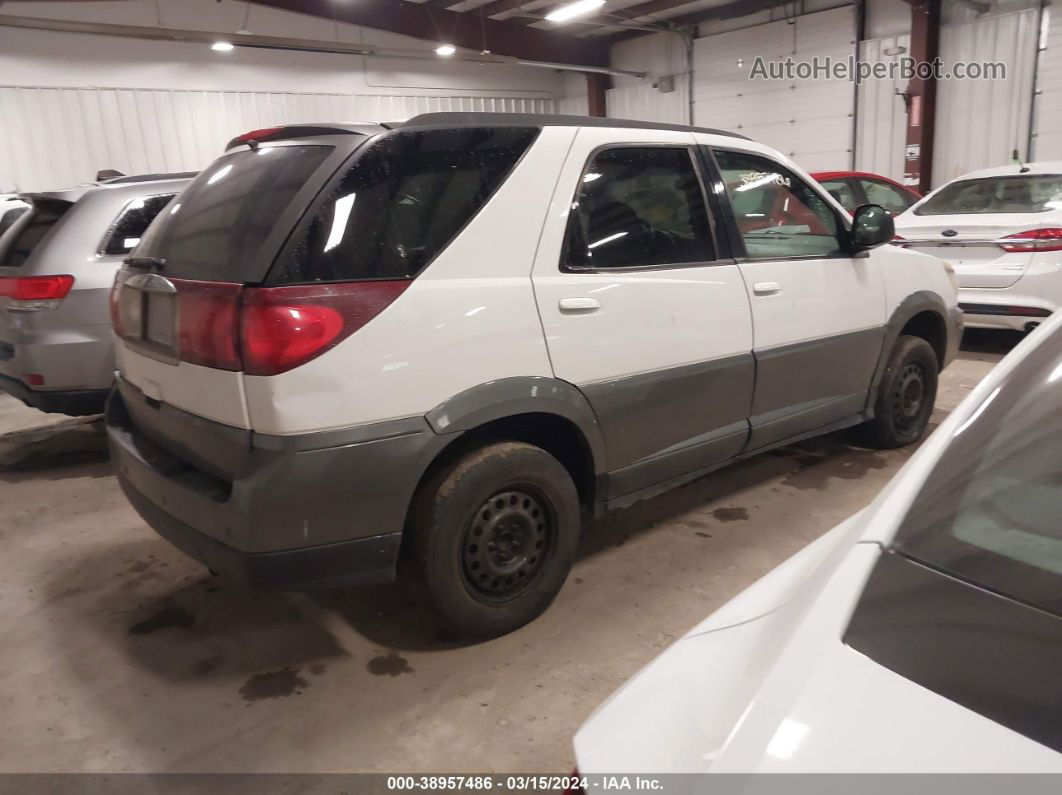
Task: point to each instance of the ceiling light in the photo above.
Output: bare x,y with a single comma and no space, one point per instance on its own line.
445,50
573,10
222,46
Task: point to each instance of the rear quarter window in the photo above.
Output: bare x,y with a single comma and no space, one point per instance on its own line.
132,223
402,202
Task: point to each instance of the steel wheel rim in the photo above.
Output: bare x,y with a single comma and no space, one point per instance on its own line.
506,543
910,396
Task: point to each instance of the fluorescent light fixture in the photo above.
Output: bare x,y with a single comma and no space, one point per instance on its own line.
573,10
222,46
445,50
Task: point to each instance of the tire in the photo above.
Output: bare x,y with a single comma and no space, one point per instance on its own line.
906,396
494,536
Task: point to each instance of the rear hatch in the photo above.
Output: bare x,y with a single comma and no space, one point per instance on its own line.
988,228
173,300
23,291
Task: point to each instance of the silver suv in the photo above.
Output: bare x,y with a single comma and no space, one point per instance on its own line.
57,264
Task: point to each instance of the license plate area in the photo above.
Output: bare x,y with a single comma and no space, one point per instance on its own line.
148,314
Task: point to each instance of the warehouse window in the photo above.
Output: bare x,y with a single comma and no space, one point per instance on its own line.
778,215
403,201
134,220
637,207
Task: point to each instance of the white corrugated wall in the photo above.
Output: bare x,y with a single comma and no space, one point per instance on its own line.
981,122
881,116
58,137
1047,139
811,121
645,102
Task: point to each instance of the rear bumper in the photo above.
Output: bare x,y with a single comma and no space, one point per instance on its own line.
78,403
298,512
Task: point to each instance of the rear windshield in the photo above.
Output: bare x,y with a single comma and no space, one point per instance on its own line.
402,202
29,230
1031,193
215,229
991,510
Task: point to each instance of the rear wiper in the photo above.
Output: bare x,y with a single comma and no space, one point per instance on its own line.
146,262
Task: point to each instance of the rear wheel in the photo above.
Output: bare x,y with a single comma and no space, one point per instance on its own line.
906,395
494,537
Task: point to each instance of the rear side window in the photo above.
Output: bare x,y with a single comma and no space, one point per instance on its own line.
1032,193
888,196
132,223
215,229
29,230
402,202
637,207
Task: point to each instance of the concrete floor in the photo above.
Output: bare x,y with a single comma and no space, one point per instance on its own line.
119,654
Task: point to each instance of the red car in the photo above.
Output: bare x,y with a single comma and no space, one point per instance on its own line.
855,188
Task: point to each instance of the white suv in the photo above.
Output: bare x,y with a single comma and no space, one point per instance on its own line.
443,342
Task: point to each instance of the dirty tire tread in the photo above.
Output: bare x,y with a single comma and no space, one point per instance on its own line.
882,431
438,523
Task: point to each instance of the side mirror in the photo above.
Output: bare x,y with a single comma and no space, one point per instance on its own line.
872,226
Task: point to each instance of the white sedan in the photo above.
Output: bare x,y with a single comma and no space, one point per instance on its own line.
1001,229
924,634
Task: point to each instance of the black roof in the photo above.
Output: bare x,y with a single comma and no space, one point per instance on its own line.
470,119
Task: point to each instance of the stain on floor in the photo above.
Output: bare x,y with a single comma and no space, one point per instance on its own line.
731,514
166,618
390,664
273,684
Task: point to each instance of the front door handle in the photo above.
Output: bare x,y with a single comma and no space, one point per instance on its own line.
578,306
766,288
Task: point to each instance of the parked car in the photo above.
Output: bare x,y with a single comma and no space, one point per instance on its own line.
1001,229
446,340
57,264
11,208
853,189
922,635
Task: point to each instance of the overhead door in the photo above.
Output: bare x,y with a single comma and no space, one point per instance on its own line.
1047,138
809,120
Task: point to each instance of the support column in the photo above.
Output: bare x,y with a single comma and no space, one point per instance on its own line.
596,88
922,95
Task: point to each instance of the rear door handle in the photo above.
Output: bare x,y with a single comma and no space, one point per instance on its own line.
766,288
578,306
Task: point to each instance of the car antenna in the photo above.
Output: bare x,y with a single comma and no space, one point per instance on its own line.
1017,159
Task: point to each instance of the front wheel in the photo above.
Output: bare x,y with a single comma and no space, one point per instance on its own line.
494,537
906,395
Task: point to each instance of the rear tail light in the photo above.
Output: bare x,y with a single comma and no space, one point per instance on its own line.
1033,240
266,330
283,327
208,322
33,293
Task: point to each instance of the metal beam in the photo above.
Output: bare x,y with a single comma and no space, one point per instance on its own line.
499,7
469,31
596,94
731,10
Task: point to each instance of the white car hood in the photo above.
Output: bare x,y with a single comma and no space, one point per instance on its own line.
782,693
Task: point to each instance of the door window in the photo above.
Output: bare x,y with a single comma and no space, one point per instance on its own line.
637,207
888,196
136,217
778,215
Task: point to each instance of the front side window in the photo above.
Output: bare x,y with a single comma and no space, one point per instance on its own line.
888,196
1031,193
990,510
402,202
778,215
133,221
638,207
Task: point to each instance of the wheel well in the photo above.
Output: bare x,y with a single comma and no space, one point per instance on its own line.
930,327
558,436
